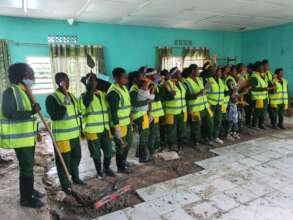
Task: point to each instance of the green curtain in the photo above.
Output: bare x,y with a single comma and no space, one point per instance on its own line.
164,58
72,60
4,65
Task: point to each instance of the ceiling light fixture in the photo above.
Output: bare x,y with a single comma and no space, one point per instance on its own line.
70,21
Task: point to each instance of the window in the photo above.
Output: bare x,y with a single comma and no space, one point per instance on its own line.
180,64
189,60
43,74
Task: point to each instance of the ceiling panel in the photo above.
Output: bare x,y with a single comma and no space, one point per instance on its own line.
100,10
245,21
216,26
191,14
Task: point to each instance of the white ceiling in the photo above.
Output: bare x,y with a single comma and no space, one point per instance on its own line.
228,15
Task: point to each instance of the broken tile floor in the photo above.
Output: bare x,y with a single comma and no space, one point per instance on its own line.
252,180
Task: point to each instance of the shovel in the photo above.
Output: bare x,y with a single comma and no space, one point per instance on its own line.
80,199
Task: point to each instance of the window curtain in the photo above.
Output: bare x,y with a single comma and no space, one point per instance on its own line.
71,59
164,58
195,55
4,65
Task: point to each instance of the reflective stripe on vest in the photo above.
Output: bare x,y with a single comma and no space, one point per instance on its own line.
18,133
157,107
280,96
268,76
178,104
95,116
124,104
201,102
68,127
226,97
136,114
216,93
261,83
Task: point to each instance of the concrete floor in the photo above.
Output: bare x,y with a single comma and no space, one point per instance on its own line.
251,180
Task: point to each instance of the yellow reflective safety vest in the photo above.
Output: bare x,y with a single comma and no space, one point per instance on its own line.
268,76
96,115
137,114
124,103
69,126
216,93
261,83
195,86
178,104
280,96
157,107
226,99
18,133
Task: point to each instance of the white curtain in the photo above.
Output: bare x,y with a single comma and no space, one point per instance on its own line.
71,59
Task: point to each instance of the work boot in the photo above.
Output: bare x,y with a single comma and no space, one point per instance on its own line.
99,170
26,193
107,170
121,165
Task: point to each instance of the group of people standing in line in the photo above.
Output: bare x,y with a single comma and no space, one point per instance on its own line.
215,104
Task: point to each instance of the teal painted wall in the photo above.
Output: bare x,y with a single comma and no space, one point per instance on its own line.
126,46
275,44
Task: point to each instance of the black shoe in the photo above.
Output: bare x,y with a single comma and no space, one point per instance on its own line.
262,127
67,191
109,172
33,202
79,182
274,127
281,127
38,194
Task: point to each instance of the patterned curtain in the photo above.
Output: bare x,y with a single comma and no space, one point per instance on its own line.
71,59
4,65
164,58
195,55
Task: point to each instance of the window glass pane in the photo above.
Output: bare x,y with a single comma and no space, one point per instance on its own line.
43,74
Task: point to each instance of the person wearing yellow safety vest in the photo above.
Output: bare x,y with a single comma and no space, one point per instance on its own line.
247,98
140,99
63,110
259,95
120,109
225,122
175,108
157,111
215,97
279,99
232,111
18,127
197,106
96,127
268,75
